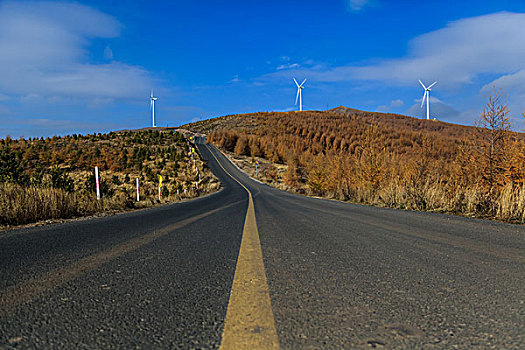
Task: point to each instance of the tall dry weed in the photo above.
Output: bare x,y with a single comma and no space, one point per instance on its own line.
20,205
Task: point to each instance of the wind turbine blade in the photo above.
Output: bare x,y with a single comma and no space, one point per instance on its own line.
424,87
434,83
296,83
297,96
423,100
303,82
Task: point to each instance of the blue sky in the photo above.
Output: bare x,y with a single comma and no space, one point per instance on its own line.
88,66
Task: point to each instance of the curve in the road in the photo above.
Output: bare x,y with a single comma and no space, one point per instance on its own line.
338,276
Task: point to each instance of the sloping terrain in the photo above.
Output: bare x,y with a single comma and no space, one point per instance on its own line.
382,159
54,177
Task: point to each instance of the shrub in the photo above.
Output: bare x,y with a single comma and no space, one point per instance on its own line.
60,179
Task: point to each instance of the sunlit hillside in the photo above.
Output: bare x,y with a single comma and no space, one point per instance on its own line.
54,177
386,159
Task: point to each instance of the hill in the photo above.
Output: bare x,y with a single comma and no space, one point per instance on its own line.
383,159
54,177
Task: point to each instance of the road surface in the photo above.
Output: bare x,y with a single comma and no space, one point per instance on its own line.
255,267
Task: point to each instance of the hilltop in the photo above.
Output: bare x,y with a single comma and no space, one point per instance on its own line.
381,158
406,122
402,122
336,130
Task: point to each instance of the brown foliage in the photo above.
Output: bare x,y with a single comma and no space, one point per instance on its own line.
493,151
28,192
389,159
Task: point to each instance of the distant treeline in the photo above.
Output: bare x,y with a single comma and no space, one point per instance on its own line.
23,161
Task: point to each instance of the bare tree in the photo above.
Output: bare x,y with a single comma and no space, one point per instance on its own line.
496,127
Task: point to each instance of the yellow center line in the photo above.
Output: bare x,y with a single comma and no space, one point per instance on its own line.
249,319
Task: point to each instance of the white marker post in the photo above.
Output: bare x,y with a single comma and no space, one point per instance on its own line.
138,195
97,183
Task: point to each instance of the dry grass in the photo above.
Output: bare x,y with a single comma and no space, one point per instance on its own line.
28,193
383,159
22,205
267,172
508,205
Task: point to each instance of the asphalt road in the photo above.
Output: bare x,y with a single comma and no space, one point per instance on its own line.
338,275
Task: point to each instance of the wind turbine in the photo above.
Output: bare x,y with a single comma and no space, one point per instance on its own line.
153,99
427,96
299,94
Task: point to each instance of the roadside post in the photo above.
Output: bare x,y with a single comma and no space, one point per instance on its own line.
138,195
160,184
97,183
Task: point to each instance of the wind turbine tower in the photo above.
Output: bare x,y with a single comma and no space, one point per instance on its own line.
426,95
153,99
299,94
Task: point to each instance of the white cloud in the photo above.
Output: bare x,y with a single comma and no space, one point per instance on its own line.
48,127
100,102
394,104
454,55
512,88
235,79
438,110
288,66
357,5
285,109
397,103
31,98
514,82
44,53
458,53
